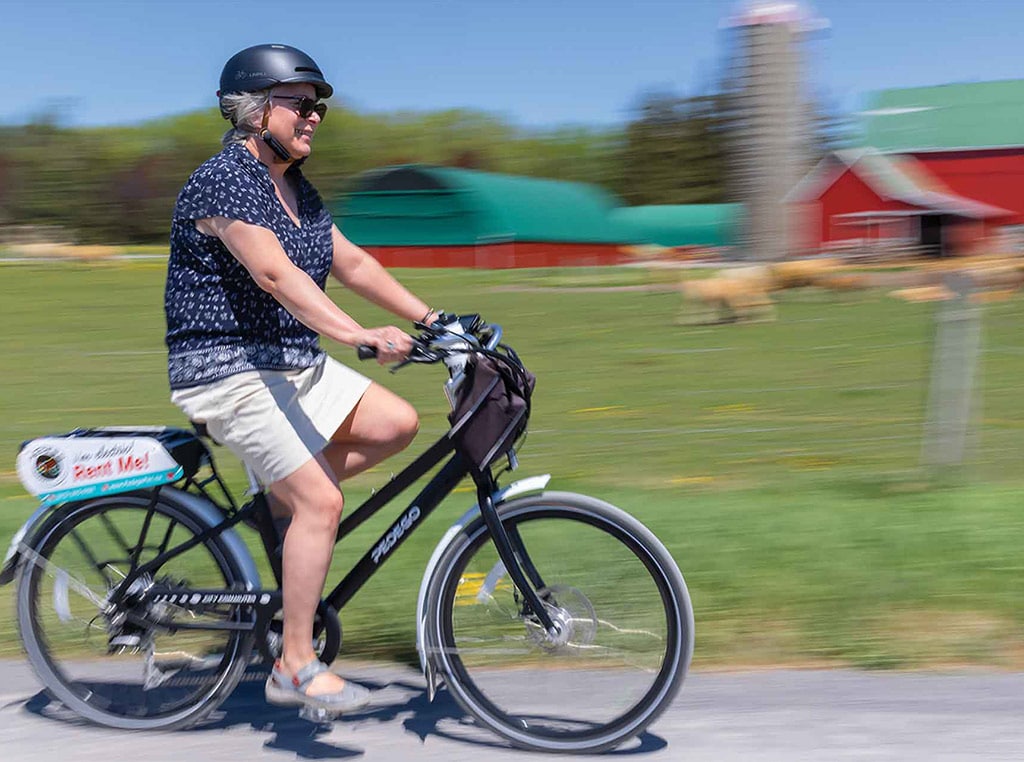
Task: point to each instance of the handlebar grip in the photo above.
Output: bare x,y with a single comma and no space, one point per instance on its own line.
366,352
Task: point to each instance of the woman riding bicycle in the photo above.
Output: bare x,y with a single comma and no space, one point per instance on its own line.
252,245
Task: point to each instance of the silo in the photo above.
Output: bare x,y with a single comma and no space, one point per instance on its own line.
770,122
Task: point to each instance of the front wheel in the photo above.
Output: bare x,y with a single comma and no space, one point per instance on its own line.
623,625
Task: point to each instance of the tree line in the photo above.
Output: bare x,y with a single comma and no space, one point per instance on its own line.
117,185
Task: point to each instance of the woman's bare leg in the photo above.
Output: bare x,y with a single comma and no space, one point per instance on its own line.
381,425
315,504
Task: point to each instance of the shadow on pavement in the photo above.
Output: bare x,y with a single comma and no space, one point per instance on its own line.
394,701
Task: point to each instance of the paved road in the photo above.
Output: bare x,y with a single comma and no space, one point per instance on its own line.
754,716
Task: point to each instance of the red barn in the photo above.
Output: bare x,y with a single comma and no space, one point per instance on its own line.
945,171
862,196
993,176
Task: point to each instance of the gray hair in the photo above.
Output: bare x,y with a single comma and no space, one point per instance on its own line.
245,110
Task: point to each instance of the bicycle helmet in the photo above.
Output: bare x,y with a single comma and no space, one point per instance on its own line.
263,66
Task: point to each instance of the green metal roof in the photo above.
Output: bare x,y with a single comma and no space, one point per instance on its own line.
946,117
682,225
419,205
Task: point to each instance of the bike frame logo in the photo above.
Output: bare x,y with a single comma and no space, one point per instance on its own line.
395,533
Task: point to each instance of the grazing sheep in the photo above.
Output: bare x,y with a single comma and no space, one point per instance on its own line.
842,283
797,273
923,294
997,275
994,295
730,296
65,251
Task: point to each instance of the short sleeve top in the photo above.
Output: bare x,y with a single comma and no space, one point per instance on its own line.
219,321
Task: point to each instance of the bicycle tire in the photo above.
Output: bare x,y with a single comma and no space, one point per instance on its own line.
636,599
83,548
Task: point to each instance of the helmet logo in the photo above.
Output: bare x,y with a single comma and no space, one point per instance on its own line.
241,74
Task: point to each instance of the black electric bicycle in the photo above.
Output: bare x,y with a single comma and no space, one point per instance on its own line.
554,619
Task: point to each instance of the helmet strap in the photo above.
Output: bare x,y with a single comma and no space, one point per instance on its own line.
270,140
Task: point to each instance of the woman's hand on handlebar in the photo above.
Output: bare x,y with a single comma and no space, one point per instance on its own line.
391,344
449,335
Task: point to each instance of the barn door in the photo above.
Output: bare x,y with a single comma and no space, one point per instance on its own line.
932,239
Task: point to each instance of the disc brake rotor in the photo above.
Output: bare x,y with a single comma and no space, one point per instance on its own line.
571,613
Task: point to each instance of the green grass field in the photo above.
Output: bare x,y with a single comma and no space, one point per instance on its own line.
778,461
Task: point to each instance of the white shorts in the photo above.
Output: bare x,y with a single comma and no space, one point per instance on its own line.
275,421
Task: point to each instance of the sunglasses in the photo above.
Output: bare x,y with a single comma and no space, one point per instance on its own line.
304,105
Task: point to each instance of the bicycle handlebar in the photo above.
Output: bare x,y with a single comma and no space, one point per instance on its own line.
450,335
366,352
451,339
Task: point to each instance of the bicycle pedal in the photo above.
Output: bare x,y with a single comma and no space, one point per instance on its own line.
317,714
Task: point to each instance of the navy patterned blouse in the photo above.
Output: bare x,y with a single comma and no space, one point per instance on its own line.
219,322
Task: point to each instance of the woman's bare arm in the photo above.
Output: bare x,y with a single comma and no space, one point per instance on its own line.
259,251
364,275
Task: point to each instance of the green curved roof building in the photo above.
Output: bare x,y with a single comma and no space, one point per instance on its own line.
419,205
709,225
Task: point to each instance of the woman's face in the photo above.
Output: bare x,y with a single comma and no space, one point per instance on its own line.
285,123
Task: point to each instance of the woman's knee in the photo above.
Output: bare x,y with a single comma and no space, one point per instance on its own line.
311,494
406,426
325,508
332,504
400,428
384,418
395,423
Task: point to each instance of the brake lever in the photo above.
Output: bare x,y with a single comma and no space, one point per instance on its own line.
418,354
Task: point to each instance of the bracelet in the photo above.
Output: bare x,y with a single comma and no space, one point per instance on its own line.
430,312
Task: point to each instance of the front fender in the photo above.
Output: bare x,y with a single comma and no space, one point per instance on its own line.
515,489
202,509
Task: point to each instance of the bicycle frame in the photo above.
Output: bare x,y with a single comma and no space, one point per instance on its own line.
509,546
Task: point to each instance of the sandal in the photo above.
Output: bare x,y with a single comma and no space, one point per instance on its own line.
283,690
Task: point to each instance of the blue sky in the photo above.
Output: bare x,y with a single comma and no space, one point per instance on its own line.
537,63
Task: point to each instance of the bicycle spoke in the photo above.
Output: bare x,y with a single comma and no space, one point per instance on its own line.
95,563
55,572
116,536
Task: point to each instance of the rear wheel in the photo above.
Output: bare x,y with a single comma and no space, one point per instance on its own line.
621,610
136,675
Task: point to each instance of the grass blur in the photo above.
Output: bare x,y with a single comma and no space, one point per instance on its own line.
779,461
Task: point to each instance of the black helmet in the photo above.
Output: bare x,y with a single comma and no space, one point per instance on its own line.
263,66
